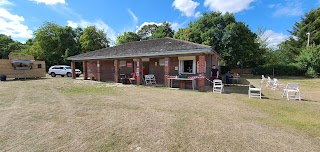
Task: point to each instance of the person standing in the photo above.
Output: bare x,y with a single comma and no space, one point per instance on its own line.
214,73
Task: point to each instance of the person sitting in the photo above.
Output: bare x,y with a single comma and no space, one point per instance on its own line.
228,78
133,78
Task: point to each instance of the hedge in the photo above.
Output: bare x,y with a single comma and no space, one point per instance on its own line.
280,70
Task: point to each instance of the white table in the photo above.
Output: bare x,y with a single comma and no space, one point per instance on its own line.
183,79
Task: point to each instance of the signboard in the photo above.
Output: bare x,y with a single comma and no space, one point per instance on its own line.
165,63
138,63
129,65
176,68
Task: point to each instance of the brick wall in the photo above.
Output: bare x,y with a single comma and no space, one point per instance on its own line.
92,70
107,70
125,69
157,70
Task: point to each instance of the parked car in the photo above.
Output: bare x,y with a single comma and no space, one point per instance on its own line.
62,70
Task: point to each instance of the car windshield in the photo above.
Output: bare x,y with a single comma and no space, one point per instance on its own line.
67,67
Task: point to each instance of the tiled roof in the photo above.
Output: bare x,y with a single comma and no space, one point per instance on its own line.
154,47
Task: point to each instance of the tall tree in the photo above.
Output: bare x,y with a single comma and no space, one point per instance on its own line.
127,37
234,40
53,43
147,30
7,45
162,31
93,39
291,48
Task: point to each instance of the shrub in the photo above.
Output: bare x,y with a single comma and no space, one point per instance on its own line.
311,73
280,70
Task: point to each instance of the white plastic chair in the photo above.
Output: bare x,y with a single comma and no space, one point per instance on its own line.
263,79
150,79
276,84
269,82
255,90
218,86
292,91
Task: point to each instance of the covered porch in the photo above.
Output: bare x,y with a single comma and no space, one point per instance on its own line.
165,58
163,68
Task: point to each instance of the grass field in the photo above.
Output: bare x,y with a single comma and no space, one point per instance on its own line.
62,114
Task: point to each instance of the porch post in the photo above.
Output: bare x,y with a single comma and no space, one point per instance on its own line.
201,73
73,69
116,70
138,70
167,65
85,72
99,70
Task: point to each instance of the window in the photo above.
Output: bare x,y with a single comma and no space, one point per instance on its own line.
39,66
22,66
123,63
187,65
161,62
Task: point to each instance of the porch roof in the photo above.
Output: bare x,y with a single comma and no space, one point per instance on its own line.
146,48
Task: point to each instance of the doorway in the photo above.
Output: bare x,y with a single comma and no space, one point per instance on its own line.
145,65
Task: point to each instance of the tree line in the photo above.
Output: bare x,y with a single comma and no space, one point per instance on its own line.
238,46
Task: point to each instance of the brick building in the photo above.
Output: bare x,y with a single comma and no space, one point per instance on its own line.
163,57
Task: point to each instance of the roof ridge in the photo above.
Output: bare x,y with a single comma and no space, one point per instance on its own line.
140,41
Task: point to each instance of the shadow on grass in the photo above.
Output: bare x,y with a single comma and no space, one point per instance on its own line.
23,79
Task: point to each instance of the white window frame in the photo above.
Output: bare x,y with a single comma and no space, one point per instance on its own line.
181,64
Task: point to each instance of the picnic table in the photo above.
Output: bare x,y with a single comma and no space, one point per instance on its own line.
182,79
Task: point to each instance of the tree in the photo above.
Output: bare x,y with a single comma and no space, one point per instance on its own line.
183,34
233,40
310,58
7,45
162,31
127,37
291,48
147,30
241,47
53,43
93,39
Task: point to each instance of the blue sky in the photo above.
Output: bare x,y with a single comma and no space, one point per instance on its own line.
20,18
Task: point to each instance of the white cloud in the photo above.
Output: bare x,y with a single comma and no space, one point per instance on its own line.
5,2
232,6
135,18
12,24
197,15
274,38
175,26
72,24
99,24
290,8
50,2
187,7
